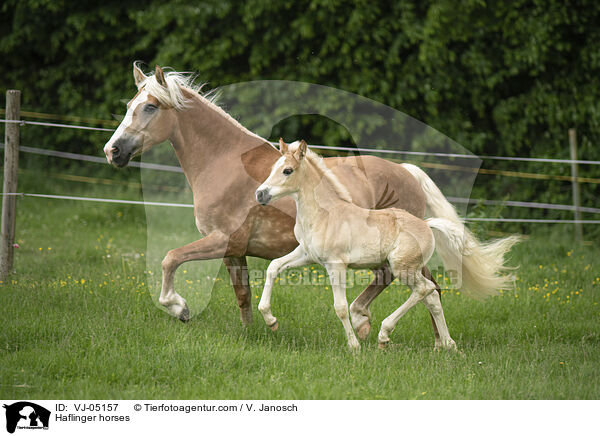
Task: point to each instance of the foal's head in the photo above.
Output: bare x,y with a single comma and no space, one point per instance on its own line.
150,117
285,175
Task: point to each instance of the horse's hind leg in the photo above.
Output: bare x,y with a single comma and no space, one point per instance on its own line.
421,288
359,309
434,305
427,274
238,272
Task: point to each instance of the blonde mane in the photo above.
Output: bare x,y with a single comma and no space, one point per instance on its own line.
173,95
317,162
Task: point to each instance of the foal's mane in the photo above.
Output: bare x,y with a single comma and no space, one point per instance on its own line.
317,163
173,95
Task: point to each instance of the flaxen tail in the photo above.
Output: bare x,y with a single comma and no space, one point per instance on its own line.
479,267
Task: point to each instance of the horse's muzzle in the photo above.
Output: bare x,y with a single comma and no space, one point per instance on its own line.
122,150
263,196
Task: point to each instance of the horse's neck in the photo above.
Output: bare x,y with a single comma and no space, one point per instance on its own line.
207,139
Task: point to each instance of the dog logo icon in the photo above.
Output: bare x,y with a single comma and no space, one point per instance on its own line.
26,415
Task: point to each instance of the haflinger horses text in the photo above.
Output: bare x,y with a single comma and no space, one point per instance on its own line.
225,163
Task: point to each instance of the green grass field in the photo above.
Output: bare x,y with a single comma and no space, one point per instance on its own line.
79,321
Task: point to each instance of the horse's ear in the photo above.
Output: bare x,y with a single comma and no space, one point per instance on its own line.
138,75
283,148
302,149
160,76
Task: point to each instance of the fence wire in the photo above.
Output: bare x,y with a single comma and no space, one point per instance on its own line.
170,168
365,150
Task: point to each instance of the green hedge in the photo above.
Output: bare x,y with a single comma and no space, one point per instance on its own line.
499,77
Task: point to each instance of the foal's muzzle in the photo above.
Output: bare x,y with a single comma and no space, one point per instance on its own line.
263,196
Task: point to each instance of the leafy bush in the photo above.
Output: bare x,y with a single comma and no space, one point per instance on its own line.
500,78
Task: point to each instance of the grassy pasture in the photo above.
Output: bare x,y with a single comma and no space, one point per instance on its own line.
79,320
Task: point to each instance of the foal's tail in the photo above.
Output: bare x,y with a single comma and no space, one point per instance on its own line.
478,265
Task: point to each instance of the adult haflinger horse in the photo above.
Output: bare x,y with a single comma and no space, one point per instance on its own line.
338,234
224,164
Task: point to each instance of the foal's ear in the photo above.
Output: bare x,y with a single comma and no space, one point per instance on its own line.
302,149
138,75
160,76
283,148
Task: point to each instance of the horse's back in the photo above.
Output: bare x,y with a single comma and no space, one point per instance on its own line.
376,183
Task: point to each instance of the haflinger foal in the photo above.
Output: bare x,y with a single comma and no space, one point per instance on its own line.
338,234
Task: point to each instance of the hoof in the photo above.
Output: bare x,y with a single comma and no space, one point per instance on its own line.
274,326
354,346
184,316
382,345
447,347
450,346
363,331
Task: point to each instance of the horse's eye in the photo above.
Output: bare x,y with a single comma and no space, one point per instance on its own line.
288,171
150,108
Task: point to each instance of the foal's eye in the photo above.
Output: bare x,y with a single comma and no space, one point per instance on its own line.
150,108
288,171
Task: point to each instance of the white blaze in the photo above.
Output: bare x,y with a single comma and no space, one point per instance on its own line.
142,98
276,167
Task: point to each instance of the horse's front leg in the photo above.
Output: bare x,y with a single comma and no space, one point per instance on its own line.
212,246
298,257
337,278
238,272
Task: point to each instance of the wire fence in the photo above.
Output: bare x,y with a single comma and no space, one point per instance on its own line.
65,126
364,150
176,169
527,204
70,118
96,159
82,157
454,155
98,200
154,203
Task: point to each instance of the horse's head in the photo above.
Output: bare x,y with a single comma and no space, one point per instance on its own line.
150,117
284,178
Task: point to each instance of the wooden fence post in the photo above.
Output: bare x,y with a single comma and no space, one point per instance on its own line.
575,184
11,164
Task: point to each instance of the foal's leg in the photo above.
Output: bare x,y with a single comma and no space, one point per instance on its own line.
427,274
238,272
337,277
420,290
211,247
298,257
434,305
359,309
